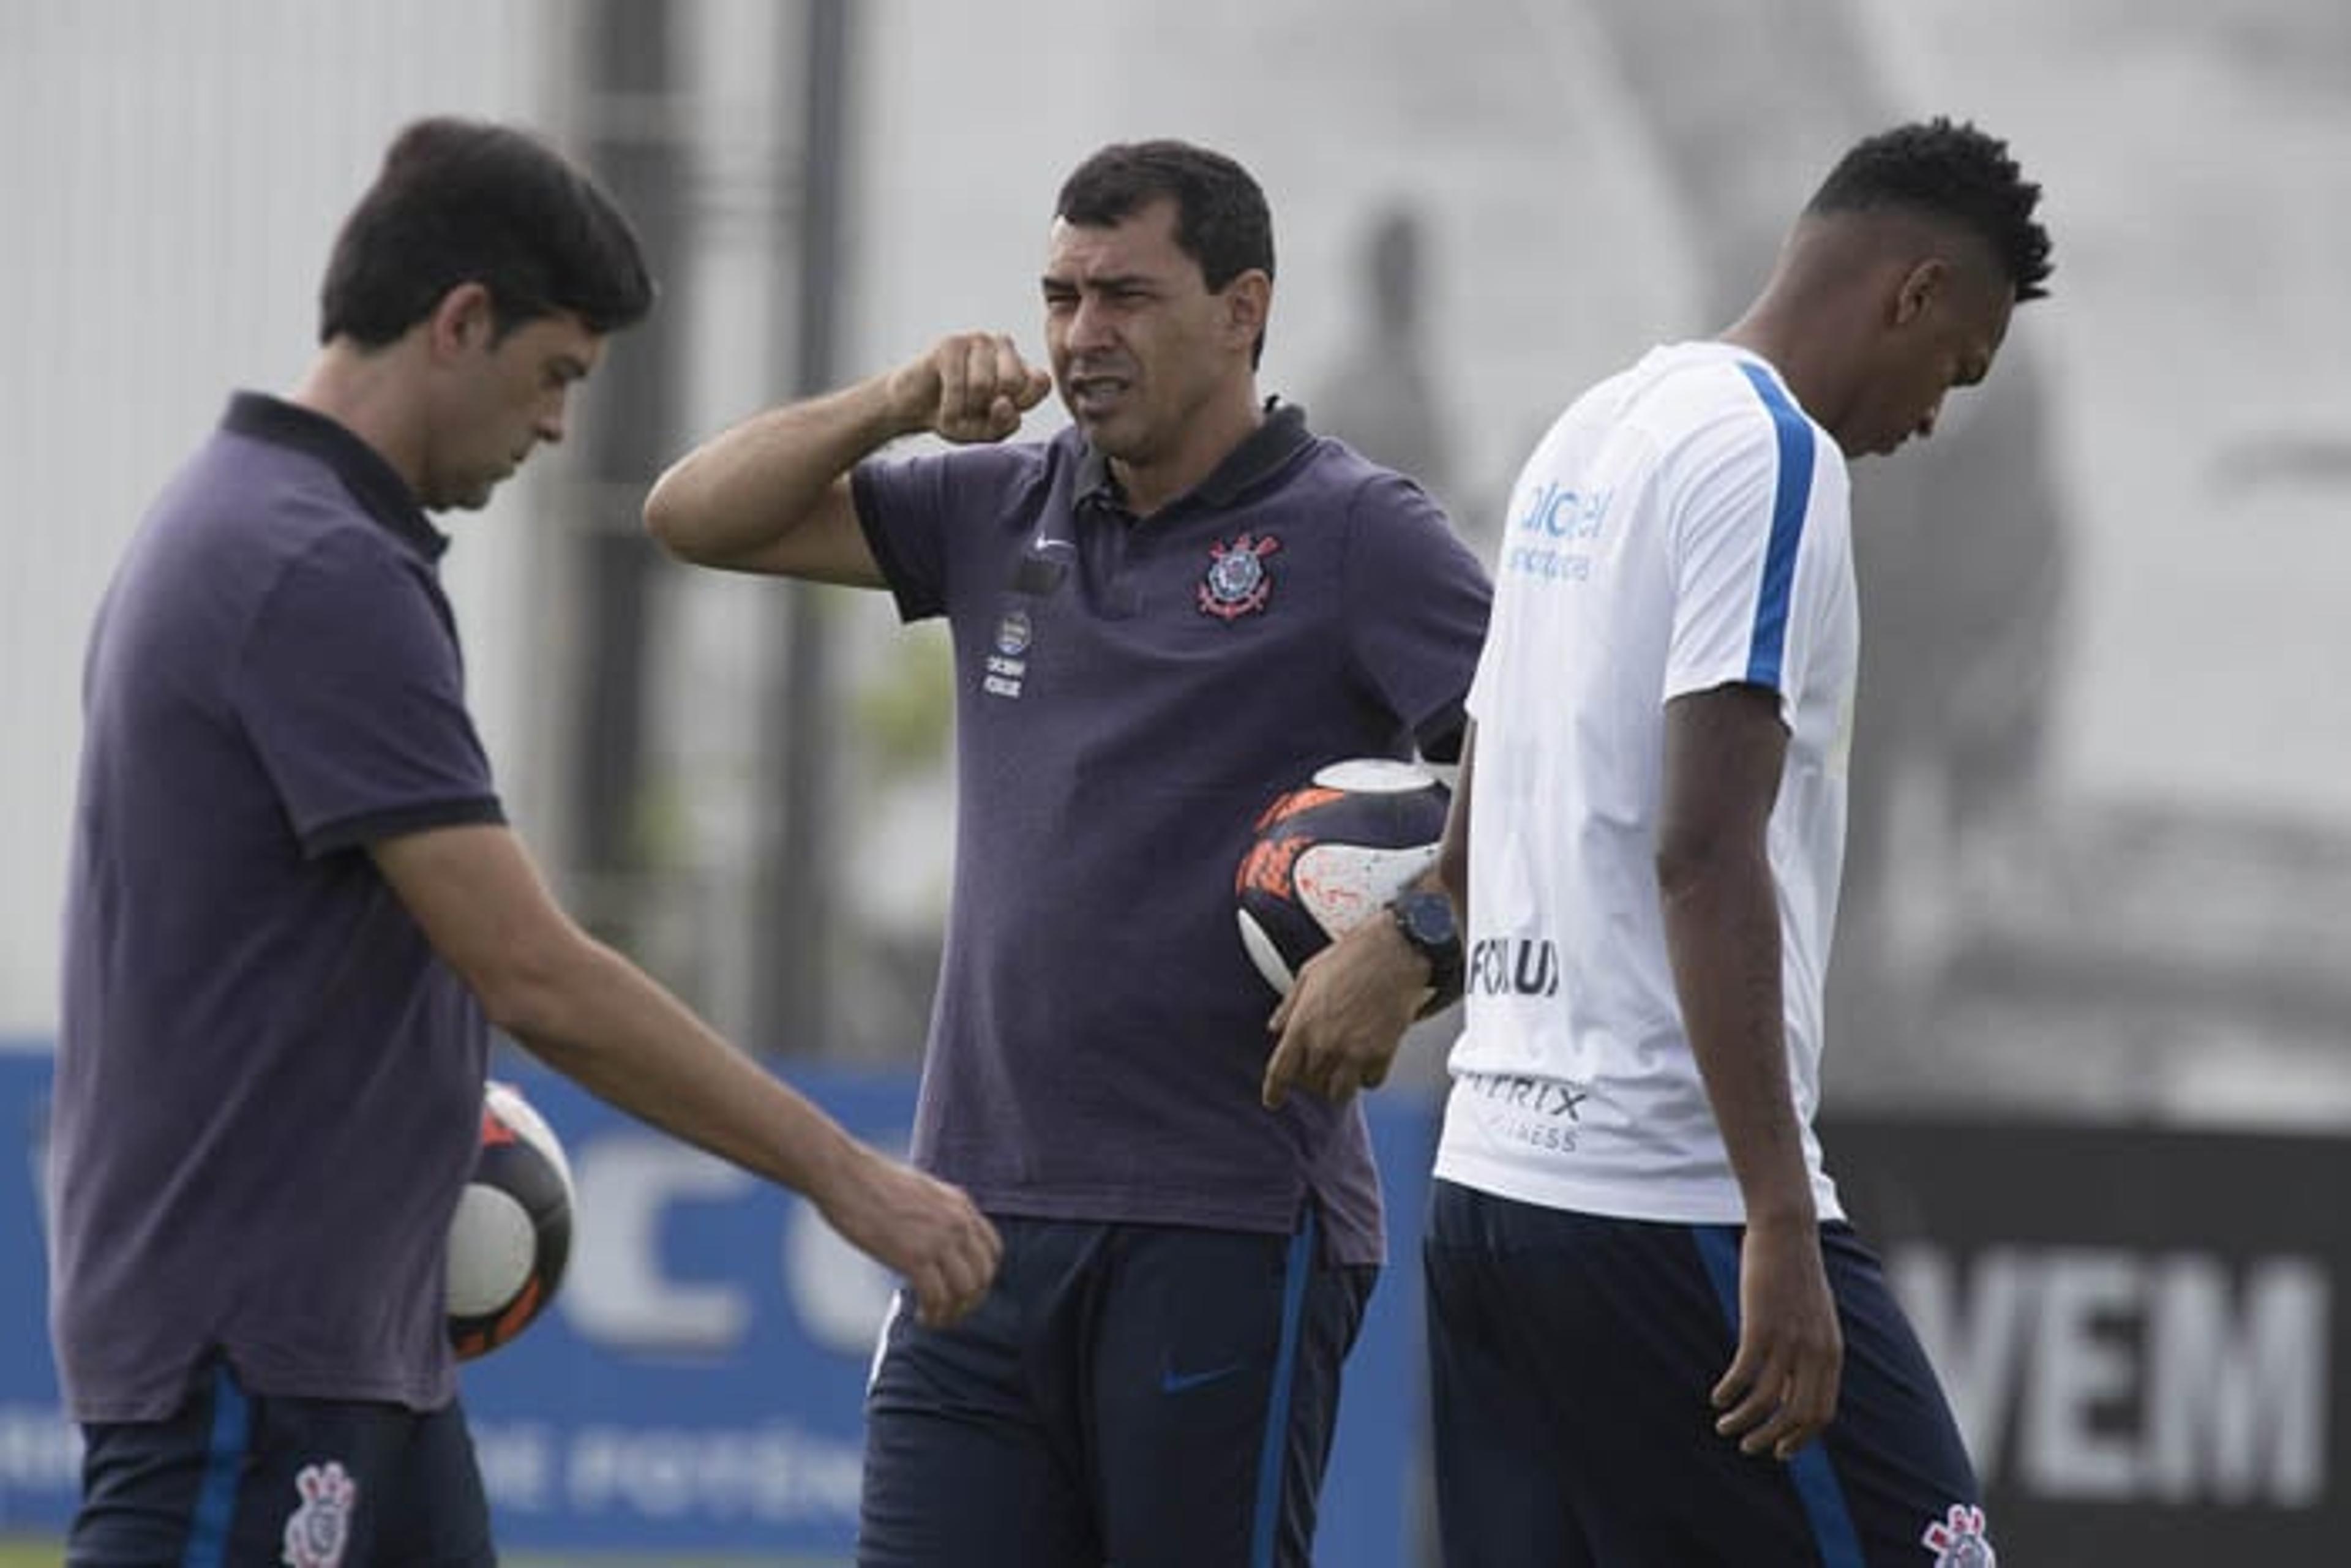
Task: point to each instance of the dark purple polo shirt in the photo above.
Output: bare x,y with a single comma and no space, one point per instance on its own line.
1130,693
267,1086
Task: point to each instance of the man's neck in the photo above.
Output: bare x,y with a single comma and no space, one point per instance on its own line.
1213,435
364,391
1804,359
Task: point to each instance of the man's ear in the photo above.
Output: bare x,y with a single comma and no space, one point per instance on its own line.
1920,286
1248,300
465,318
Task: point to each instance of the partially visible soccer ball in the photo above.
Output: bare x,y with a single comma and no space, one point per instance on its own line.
1330,853
512,1233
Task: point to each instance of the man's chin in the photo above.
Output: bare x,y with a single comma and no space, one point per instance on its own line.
1112,436
443,501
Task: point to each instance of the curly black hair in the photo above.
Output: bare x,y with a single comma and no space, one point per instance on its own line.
1953,172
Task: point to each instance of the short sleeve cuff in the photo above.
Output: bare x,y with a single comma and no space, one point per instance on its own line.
376,827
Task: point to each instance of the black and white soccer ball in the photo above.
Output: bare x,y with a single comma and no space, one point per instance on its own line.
1330,853
511,1235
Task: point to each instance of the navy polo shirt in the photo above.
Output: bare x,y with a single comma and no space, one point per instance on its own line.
267,1085
1130,693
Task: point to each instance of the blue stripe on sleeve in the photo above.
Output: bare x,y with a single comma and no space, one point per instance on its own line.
1265,1538
1791,495
1815,1480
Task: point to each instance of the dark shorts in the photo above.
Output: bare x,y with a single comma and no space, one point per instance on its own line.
1150,1395
1571,1360
243,1480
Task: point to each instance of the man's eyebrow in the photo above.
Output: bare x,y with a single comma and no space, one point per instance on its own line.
1115,281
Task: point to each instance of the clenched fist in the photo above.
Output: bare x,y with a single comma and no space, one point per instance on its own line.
970,387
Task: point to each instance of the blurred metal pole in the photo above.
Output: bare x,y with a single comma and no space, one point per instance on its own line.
799,911
633,145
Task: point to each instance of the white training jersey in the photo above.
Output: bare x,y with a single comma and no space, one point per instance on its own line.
1682,526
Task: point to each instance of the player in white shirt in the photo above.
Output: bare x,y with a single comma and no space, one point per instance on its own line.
1643,1290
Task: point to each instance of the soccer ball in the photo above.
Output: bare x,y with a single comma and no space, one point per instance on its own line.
512,1232
1331,853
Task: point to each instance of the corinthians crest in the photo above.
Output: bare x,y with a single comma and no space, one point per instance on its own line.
318,1532
1958,1538
1237,582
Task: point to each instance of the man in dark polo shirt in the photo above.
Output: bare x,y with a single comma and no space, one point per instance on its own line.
1162,616
293,901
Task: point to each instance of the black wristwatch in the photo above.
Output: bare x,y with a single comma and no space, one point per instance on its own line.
1425,919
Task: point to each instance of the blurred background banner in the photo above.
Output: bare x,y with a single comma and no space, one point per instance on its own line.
697,1385
2141,1331
2140,1339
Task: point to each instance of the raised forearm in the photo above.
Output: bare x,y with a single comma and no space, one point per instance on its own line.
736,498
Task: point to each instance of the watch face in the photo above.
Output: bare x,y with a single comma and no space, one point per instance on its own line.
1426,922
1428,917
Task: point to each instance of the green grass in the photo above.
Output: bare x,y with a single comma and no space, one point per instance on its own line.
31,1554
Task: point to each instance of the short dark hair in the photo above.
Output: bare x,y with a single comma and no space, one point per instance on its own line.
461,201
1222,221
1949,171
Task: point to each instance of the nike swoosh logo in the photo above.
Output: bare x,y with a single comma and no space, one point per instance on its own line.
1173,1382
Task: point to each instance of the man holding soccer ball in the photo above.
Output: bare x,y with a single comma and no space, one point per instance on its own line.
293,900
1163,616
